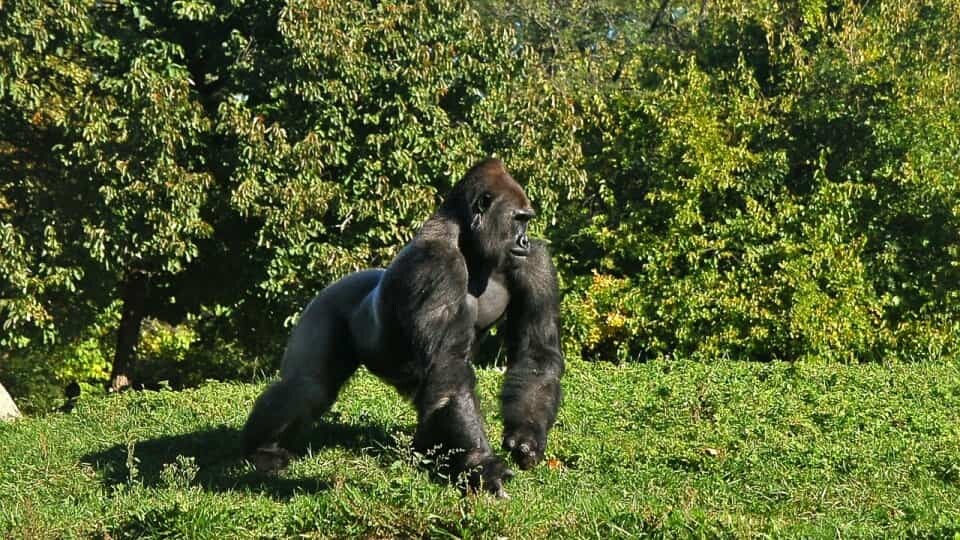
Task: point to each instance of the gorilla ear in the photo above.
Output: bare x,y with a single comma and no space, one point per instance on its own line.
480,205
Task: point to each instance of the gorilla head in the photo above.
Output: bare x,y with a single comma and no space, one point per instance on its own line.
490,204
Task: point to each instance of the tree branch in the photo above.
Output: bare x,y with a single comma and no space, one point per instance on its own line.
657,16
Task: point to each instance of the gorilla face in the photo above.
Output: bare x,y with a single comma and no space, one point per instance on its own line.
520,244
493,210
499,217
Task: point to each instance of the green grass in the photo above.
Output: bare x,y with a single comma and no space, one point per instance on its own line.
665,449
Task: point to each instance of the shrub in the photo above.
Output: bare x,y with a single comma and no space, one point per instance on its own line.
779,190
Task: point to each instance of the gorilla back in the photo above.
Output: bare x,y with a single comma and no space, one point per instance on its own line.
415,325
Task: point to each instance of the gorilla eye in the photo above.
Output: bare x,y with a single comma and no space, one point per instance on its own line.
485,200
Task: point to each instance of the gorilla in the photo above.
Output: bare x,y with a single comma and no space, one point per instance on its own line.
416,325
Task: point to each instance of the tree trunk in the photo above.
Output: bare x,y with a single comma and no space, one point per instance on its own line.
8,409
128,335
658,15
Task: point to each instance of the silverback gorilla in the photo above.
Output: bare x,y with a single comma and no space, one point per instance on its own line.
416,324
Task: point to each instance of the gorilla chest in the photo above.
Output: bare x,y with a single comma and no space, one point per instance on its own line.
490,298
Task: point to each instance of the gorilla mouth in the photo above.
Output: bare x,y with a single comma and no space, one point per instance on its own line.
518,251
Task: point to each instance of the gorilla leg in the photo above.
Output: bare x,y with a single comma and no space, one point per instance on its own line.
316,364
288,405
531,391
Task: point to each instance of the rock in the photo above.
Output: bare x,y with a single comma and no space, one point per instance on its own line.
8,409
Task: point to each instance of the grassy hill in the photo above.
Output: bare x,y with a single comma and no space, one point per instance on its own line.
668,449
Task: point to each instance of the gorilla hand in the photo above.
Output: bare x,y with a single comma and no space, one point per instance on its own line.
490,476
526,446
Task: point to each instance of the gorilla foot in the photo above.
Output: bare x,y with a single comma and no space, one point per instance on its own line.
270,459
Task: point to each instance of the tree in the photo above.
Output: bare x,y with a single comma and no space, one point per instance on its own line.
778,184
175,157
104,131
352,121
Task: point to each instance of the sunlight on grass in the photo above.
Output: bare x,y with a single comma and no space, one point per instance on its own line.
664,449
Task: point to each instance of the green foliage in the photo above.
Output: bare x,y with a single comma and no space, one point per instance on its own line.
664,449
759,183
759,180
163,341
37,376
601,322
102,175
87,358
163,352
367,113
188,354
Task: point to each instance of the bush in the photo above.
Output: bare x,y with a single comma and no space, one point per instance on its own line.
779,187
762,180
190,353
366,114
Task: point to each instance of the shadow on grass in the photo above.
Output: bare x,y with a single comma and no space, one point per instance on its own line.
219,466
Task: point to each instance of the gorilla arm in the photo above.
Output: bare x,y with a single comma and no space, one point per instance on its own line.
531,391
439,322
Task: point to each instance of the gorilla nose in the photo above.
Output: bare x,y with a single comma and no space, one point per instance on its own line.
522,246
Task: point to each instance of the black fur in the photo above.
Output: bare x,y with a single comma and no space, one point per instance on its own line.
415,324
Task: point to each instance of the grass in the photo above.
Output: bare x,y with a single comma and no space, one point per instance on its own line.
664,449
